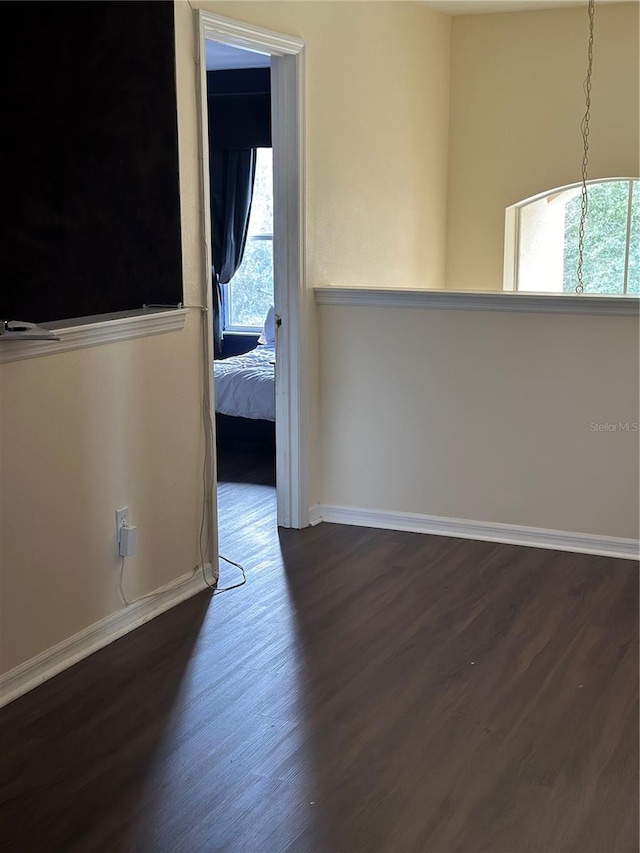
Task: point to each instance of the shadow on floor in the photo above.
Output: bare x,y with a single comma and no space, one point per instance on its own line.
77,752
367,691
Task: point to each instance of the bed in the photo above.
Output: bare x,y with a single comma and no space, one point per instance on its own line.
245,384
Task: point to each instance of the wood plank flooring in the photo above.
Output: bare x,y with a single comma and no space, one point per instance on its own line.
365,691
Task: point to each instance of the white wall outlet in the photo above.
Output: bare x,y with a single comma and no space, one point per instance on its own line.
122,520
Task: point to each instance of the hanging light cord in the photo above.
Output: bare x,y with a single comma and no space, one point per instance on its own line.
584,127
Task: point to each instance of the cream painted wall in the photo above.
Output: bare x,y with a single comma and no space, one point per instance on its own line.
83,433
89,431
482,416
377,129
377,136
516,107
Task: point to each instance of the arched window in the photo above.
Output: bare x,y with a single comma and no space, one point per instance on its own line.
541,240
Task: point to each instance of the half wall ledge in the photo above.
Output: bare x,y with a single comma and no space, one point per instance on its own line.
477,300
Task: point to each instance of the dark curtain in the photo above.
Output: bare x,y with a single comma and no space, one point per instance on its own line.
231,175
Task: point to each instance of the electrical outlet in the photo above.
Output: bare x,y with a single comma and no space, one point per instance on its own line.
122,520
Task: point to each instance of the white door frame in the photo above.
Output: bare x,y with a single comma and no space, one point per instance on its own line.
287,119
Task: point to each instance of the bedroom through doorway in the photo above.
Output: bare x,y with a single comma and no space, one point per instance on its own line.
242,238
251,104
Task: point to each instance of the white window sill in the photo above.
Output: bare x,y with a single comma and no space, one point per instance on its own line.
478,300
84,332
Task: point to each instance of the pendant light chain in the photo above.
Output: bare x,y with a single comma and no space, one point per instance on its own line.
584,127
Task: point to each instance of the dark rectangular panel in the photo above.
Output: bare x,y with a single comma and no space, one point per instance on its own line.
239,103
90,187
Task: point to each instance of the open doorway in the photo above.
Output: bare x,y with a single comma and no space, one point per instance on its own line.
257,305
245,339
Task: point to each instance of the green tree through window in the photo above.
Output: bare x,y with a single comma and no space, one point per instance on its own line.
543,238
249,294
605,239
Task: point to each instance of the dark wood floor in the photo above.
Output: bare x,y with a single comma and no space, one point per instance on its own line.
365,691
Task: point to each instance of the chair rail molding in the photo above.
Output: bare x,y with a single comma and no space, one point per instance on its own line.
92,332
479,300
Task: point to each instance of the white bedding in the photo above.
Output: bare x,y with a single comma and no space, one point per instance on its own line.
244,385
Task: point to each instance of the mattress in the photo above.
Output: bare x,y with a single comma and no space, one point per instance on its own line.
244,385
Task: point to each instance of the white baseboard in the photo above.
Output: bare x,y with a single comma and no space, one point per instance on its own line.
44,666
315,515
511,534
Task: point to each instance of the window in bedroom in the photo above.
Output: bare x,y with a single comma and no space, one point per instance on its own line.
249,294
541,240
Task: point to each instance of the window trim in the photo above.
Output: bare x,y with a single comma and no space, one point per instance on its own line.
512,232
